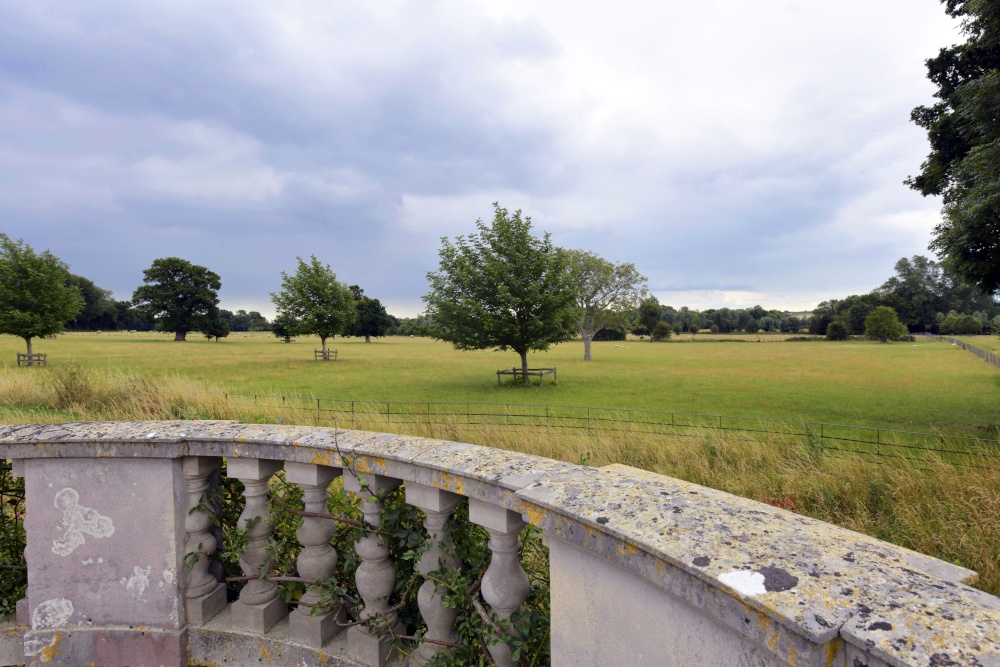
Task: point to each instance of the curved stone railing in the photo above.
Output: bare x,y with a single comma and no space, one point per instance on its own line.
645,569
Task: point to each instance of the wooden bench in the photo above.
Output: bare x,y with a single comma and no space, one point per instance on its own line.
325,356
535,372
38,359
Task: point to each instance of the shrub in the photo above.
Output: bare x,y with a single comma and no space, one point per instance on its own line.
837,330
662,331
610,334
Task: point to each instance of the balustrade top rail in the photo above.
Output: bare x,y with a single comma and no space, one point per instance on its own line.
867,441
799,590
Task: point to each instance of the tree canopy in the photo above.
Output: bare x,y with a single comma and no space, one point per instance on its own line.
502,288
372,318
883,325
99,312
963,130
606,293
312,302
36,298
179,295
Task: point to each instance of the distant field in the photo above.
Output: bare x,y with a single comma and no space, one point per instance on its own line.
917,386
988,343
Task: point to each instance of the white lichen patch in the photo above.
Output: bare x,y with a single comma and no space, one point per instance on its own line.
168,576
137,583
744,582
78,521
51,614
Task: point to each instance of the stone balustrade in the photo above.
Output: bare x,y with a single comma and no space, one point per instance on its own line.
644,569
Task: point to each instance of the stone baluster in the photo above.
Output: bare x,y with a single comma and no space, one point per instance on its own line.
505,584
437,505
259,606
204,594
376,575
318,559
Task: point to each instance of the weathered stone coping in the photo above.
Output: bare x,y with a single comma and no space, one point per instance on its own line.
778,577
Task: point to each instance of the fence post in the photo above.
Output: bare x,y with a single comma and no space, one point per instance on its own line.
318,417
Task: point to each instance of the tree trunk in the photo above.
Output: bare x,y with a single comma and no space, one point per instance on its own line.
28,341
180,335
524,366
587,338
368,338
322,340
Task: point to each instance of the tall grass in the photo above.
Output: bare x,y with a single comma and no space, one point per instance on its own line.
935,508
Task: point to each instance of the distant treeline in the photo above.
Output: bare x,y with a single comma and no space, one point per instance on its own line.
926,295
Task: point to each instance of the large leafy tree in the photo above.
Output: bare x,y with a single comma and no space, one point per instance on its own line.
36,298
179,295
313,302
884,325
502,289
606,294
373,320
963,129
649,315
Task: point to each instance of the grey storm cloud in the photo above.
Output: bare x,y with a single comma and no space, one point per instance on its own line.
732,151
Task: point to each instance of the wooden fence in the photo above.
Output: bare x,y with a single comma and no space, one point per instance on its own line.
985,355
533,372
325,355
38,359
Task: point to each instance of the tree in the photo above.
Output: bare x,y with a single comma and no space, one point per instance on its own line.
216,328
963,130
883,324
282,327
99,312
661,331
837,330
649,315
35,297
605,293
179,296
372,319
314,302
502,289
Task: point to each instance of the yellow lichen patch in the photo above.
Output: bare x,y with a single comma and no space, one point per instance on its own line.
320,460
625,549
50,651
833,650
536,514
263,650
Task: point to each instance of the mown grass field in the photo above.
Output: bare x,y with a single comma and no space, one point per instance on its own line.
922,386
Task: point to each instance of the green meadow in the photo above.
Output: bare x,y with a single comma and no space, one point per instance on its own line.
922,386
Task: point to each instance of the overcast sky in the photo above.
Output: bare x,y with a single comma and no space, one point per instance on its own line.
737,152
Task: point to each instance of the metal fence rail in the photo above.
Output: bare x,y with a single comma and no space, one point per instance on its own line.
860,440
985,355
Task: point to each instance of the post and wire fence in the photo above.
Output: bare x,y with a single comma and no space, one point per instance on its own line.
837,438
985,355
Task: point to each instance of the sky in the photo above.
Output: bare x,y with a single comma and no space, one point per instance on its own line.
736,152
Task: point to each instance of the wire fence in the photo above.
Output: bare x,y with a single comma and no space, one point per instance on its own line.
985,355
841,438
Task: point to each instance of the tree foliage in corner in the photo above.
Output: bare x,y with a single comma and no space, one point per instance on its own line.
606,294
179,295
373,320
35,297
963,129
502,289
313,302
